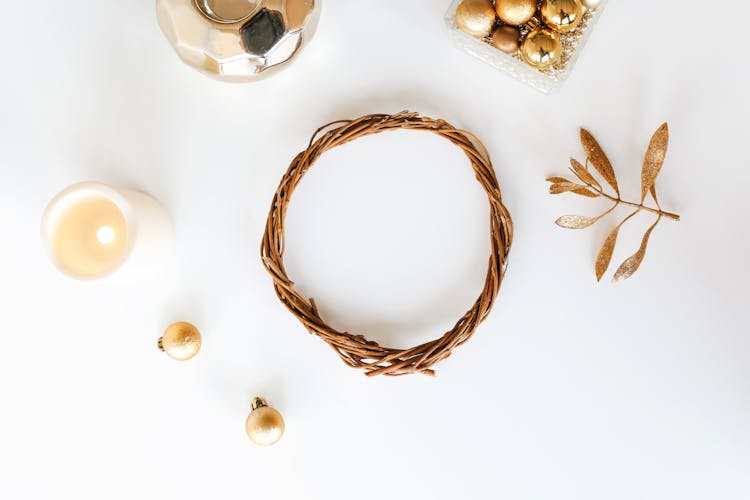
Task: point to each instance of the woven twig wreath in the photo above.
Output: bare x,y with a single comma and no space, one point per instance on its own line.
356,350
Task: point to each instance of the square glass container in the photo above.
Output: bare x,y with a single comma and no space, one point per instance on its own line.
546,80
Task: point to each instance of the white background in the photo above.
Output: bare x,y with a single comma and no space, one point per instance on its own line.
570,390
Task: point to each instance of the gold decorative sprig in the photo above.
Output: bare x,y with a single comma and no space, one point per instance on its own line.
588,186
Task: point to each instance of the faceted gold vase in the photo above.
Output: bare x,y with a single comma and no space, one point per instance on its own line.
238,40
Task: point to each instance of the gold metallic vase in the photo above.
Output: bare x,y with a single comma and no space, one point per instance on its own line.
238,40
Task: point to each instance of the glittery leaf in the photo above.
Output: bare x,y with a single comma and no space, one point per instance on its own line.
575,221
563,187
605,253
657,151
580,221
584,174
555,180
632,263
600,161
585,192
571,187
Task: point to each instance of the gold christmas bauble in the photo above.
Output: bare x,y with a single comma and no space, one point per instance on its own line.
181,341
475,17
562,15
542,48
515,12
506,39
264,425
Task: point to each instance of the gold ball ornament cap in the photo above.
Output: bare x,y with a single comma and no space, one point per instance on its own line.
181,341
562,15
238,40
264,425
515,12
475,17
542,48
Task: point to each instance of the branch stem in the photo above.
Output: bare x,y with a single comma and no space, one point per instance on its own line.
639,206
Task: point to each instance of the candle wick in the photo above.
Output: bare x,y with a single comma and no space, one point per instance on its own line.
105,235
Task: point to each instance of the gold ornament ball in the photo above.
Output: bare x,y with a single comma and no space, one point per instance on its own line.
562,15
181,341
476,17
507,39
542,48
264,425
515,12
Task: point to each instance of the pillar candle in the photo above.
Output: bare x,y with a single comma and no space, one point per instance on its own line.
91,230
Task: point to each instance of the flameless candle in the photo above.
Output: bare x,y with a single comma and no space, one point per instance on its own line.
91,229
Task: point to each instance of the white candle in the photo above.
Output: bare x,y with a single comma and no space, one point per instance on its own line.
91,230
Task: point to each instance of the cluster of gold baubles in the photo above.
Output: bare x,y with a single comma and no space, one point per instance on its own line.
500,21
264,426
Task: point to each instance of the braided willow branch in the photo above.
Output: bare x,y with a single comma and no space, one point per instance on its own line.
356,350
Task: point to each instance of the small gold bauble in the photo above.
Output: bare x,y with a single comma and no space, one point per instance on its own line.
476,17
591,4
562,15
515,12
542,48
181,341
264,425
506,39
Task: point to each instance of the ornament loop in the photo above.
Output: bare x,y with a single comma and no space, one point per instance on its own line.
356,350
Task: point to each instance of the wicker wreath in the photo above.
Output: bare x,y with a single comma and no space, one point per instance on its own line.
356,350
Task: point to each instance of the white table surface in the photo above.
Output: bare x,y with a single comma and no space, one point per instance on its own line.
570,390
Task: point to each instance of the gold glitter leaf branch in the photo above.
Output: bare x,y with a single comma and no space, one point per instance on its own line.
587,185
